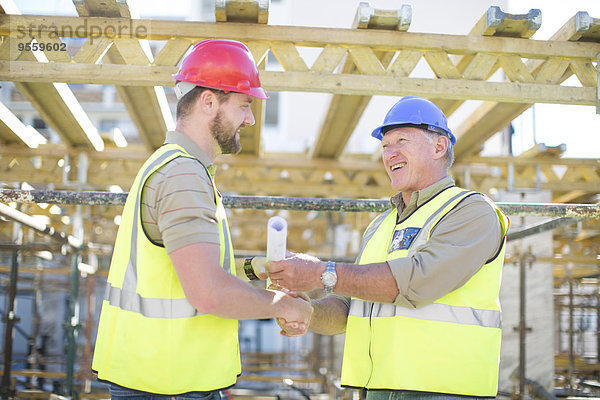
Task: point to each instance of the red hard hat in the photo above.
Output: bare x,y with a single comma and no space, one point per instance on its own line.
222,64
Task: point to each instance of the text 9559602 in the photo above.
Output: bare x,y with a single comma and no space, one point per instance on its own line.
42,46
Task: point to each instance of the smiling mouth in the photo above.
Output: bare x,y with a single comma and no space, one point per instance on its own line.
397,166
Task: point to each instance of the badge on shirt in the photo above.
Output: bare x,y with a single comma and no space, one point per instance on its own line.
403,238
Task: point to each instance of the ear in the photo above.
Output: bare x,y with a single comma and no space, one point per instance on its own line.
207,102
440,146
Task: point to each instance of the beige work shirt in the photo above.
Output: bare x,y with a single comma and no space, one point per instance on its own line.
459,245
178,200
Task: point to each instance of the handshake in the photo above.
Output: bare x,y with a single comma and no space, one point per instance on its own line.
296,312
290,277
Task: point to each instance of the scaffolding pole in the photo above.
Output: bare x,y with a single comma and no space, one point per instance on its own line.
32,223
6,390
565,210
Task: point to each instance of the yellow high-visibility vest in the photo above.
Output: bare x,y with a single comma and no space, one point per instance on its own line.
449,346
150,338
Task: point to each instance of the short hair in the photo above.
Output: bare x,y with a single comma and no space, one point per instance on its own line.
449,156
185,104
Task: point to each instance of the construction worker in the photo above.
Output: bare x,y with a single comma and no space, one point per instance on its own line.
422,317
168,324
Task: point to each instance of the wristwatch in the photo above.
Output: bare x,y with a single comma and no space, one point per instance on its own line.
329,277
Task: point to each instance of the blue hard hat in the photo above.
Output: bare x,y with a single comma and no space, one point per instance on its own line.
415,111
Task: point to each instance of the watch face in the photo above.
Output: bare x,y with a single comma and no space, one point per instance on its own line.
329,278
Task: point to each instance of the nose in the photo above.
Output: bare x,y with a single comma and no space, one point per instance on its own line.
388,152
249,117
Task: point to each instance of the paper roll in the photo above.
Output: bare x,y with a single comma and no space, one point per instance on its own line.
276,238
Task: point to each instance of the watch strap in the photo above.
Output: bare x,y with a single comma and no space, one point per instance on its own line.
249,270
330,269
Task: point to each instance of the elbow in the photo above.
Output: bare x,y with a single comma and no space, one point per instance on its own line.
205,308
321,330
414,299
204,304
419,302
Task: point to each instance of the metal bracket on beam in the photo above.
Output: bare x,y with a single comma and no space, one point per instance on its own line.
583,23
253,11
517,25
368,17
110,8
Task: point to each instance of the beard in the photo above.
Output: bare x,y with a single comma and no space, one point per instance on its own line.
225,135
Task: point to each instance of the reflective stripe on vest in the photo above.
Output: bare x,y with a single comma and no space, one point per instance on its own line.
431,312
148,306
127,298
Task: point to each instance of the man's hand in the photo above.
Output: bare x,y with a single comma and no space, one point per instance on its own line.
298,272
297,313
291,329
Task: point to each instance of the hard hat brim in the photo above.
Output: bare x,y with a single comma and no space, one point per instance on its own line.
257,92
378,132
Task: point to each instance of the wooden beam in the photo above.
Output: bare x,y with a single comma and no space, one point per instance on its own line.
53,109
294,174
477,129
142,103
581,27
7,121
344,111
541,150
8,7
494,22
55,103
26,71
300,36
250,136
577,272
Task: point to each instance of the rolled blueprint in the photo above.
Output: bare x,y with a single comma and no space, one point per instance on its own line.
276,238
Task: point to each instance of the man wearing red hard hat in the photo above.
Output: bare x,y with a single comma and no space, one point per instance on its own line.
169,317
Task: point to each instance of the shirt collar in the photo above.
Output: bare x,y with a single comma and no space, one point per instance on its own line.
191,147
421,196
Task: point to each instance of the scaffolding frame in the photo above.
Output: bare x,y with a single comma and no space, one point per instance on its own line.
563,214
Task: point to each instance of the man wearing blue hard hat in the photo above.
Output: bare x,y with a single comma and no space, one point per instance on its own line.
420,307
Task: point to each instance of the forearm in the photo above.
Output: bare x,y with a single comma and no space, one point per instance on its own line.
238,300
211,290
372,282
329,316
